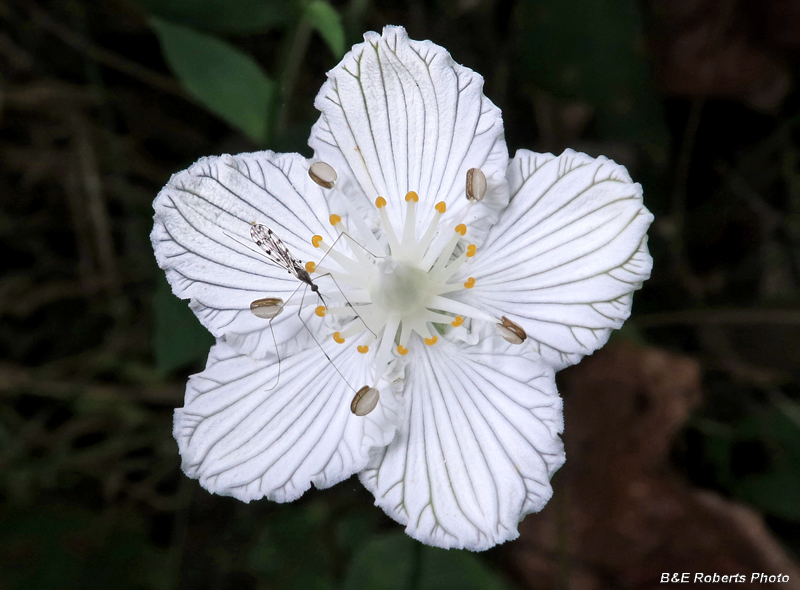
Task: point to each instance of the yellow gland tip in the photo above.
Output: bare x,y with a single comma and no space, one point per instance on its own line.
431,341
363,349
402,350
380,202
471,250
316,241
470,283
338,337
461,229
412,196
320,311
441,206
335,219
457,322
310,266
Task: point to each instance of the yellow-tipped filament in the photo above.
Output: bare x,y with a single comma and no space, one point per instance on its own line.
399,286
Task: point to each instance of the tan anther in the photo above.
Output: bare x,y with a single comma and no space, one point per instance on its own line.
476,184
365,401
511,332
323,174
267,308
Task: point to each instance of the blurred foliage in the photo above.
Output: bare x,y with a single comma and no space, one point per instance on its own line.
228,82
223,16
103,101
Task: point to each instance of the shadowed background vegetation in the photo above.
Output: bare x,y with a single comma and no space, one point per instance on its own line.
696,404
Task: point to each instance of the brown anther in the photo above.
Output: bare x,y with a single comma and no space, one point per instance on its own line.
511,332
365,401
476,184
267,308
323,174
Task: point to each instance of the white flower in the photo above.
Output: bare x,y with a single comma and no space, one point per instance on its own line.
456,310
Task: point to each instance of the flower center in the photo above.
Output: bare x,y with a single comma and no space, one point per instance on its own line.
386,296
397,287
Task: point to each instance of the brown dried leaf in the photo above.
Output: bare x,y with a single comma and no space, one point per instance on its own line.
621,517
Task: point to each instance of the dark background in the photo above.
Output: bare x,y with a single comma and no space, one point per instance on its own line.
683,435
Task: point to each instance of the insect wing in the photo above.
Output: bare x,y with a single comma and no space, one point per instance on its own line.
274,248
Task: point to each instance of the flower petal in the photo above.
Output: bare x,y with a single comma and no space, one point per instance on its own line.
476,449
201,237
241,435
567,254
400,115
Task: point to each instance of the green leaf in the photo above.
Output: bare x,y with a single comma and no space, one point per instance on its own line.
324,18
456,570
385,563
230,16
226,81
775,492
590,50
393,562
179,338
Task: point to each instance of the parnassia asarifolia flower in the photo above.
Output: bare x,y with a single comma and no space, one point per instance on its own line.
397,305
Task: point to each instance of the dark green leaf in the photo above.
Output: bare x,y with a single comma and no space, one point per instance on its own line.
775,492
385,563
225,80
232,16
324,18
456,570
179,338
591,50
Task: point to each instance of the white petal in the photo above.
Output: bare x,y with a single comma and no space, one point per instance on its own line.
242,436
566,255
201,237
400,115
476,449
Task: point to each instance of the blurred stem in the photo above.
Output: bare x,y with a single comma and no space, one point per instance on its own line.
291,72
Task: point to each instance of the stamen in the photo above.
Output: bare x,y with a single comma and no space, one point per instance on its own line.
511,331
338,338
364,348
316,241
457,322
350,265
476,184
352,330
323,174
457,307
402,350
449,270
267,308
320,311
431,341
409,230
470,283
385,349
471,249
445,254
347,311
310,267
394,245
365,401
356,218
440,207
334,219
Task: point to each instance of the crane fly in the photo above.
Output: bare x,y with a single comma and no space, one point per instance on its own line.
278,253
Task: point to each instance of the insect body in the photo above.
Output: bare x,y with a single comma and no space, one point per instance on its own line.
278,253
269,308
